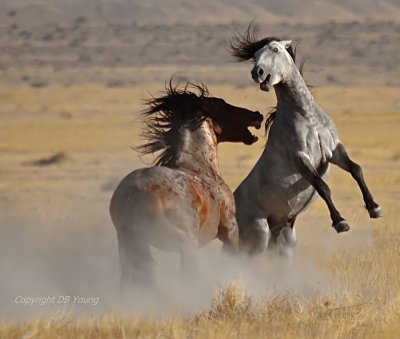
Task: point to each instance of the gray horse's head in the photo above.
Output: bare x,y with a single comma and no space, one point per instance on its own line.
272,56
272,64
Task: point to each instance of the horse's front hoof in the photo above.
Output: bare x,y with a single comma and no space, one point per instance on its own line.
341,226
375,212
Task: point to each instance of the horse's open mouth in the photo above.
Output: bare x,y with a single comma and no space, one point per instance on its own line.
255,139
250,138
265,86
257,125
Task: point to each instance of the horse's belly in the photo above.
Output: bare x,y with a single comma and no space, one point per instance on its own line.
171,236
301,194
300,202
288,195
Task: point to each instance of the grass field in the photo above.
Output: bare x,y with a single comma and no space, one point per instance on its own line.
55,225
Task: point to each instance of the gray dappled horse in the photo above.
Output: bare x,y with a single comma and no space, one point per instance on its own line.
302,143
182,202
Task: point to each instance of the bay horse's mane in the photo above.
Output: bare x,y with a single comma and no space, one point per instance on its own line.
244,46
165,117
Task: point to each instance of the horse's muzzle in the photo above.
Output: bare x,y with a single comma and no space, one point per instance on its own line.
255,73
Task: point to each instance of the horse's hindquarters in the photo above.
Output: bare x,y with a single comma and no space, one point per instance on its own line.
165,208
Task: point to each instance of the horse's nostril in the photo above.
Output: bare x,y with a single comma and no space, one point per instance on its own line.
260,71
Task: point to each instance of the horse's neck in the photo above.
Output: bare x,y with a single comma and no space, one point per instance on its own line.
199,150
293,95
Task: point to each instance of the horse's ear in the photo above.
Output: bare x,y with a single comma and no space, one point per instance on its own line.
286,43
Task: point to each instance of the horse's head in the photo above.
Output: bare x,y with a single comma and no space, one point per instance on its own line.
186,109
272,57
231,122
272,64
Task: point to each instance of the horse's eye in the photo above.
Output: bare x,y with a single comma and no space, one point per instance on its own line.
275,50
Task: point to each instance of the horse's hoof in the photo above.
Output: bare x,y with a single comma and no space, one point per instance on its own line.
341,226
375,212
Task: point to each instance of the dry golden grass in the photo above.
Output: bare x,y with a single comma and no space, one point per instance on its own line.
234,315
95,126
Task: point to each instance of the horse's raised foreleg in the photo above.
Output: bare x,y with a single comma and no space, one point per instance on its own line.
309,173
342,159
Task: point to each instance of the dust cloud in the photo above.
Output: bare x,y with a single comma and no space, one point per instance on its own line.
68,263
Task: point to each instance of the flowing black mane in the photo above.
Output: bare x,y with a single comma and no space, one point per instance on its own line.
165,116
244,46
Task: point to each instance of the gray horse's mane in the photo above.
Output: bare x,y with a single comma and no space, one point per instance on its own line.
244,46
165,117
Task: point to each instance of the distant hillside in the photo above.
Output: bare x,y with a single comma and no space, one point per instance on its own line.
123,42
31,12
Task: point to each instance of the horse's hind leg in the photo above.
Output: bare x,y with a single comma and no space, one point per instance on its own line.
254,238
189,260
135,261
288,239
283,239
342,159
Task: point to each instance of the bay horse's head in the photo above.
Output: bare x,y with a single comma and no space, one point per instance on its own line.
231,122
272,56
187,108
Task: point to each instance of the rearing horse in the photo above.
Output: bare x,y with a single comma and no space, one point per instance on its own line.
182,202
302,142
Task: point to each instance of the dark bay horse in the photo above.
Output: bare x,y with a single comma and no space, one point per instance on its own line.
182,202
302,143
